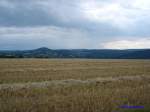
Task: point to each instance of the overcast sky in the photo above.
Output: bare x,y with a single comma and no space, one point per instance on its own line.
74,24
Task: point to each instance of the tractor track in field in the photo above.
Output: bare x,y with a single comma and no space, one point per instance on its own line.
69,82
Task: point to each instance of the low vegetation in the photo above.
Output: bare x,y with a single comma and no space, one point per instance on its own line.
74,85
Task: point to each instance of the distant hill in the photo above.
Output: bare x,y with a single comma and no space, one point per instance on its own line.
78,53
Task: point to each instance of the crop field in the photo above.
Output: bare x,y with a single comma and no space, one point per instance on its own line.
74,85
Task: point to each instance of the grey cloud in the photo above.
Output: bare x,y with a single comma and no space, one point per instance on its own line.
24,14
60,13
52,37
39,12
54,23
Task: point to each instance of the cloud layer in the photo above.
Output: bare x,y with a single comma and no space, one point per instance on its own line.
74,24
52,37
128,44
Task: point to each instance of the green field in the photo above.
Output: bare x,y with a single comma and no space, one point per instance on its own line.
74,85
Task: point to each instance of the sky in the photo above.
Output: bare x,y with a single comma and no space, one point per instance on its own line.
74,24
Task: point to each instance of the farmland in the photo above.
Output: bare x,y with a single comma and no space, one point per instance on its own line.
74,85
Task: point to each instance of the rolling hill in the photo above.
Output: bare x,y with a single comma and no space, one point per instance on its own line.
78,53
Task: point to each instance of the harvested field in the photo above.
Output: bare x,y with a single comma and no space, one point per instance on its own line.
74,85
